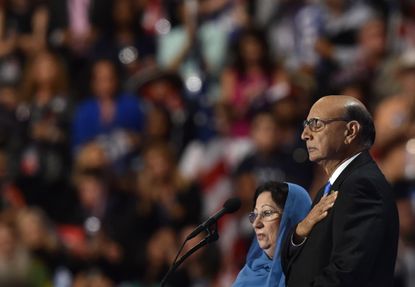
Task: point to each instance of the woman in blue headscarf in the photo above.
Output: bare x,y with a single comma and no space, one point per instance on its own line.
278,207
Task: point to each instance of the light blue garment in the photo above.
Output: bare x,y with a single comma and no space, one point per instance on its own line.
259,269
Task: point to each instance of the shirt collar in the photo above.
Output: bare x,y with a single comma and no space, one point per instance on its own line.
340,168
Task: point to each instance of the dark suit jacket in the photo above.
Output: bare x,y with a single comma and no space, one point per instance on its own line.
356,244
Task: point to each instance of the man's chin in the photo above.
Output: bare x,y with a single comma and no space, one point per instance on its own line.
311,157
314,158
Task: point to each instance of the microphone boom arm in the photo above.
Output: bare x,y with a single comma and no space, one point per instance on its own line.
212,236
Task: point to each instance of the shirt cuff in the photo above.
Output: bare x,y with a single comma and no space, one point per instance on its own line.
299,244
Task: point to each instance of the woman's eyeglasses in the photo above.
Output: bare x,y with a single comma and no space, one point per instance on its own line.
316,125
265,215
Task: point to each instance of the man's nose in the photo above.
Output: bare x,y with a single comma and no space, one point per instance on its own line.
305,135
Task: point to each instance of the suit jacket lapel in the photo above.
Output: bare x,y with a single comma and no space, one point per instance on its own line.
360,160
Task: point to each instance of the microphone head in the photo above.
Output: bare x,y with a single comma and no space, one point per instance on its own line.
232,205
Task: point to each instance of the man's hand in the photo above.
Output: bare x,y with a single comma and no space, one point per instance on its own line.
319,211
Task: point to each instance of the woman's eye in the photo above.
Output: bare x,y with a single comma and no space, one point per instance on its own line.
267,213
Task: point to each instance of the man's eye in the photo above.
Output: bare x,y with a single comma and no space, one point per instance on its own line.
314,122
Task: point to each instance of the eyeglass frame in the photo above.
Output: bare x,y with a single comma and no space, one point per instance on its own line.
252,216
307,123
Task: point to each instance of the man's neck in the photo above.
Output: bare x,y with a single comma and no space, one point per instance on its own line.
330,166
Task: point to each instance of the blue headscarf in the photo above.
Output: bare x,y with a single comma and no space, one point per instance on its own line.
259,269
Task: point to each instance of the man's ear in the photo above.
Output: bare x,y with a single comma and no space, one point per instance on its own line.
352,131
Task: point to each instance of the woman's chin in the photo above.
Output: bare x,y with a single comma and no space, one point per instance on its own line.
264,246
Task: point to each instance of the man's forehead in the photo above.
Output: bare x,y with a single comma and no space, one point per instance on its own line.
325,110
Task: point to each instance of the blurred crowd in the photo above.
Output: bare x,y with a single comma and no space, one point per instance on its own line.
125,123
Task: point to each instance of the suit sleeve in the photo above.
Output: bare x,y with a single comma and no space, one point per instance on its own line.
357,233
288,252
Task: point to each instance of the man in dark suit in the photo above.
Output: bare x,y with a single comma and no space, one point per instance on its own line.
350,236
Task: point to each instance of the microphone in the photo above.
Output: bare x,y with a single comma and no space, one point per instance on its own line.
230,206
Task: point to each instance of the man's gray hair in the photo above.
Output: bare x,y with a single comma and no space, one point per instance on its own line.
362,116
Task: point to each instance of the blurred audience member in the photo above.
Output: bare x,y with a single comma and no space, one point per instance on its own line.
125,42
177,200
164,91
45,109
366,62
403,37
111,117
246,83
211,163
158,125
160,252
202,268
39,237
92,278
16,266
105,215
278,19
193,46
11,197
11,128
395,124
27,22
328,29
269,160
395,132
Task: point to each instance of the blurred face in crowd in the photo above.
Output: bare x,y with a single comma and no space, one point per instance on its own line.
92,280
31,228
19,5
158,123
8,97
123,12
251,49
245,183
91,191
158,161
160,246
7,239
267,222
45,69
336,4
104,80
372,37
265,132
91,156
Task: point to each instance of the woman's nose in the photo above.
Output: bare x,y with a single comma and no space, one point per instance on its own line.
258,223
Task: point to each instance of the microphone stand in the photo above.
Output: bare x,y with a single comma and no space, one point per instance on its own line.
212,236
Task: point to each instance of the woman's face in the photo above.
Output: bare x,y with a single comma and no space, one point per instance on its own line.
45,69
251,49
266,227
104,80
158,162
31,229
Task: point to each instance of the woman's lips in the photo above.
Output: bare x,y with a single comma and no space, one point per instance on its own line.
260,236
